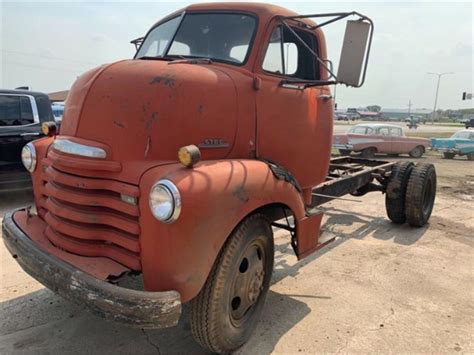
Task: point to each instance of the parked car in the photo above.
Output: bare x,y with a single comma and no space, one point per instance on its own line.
58,111
369,139
21,114
460,143
469,123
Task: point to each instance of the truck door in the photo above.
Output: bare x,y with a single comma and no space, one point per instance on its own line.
19,124
294,125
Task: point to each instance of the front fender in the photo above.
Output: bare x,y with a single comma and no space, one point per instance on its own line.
216,196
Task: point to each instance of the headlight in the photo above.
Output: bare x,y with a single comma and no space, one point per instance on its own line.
28,157
165,201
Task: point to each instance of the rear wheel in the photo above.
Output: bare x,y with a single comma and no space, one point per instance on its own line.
226,310
396,190
368,152
420,195
417,152
470,156
447,155
344,152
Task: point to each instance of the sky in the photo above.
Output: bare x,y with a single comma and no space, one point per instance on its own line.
47,45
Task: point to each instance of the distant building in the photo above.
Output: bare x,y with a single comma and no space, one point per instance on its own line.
58,96
401,114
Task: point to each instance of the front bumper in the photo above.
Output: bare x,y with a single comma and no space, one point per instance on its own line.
447,150
133,307
343,146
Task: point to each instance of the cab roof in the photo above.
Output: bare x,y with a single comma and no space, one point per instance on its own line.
258,8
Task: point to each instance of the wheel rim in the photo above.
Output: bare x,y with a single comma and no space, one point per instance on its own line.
248,282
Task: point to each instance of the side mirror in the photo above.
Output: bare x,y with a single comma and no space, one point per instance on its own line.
137,42
354,53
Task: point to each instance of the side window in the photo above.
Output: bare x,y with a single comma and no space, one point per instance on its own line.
26,110
396,132
383,131
10,110
273,61
287,56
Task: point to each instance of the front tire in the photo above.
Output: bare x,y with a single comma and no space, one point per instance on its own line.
368,152
226,310
470,156
447,155
417,152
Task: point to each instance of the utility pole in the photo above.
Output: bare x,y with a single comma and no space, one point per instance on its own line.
409,107
437,90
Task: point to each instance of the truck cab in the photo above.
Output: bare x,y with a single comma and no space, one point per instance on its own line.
174,165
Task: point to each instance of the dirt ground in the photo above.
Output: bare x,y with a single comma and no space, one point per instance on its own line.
379,288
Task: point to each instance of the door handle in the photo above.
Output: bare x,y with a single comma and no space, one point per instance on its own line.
30,134
325,97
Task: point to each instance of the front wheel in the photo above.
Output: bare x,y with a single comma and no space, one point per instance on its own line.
226,310
447,155
417,152
368,152
470,156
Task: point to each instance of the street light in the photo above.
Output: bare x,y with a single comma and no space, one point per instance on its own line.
437,89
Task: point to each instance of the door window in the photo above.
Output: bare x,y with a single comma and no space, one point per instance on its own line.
287,56
396,132
383,131
15,111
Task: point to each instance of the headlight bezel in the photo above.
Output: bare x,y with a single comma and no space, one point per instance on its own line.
32,156
175,196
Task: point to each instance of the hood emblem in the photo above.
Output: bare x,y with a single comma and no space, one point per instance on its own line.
213,143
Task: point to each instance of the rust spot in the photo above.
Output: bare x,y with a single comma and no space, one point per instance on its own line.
241,194
119,124
167,80
150,120
200,108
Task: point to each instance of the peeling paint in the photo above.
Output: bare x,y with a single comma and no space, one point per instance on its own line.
167,80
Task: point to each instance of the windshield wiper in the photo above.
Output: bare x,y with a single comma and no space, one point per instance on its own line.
198,60
162,57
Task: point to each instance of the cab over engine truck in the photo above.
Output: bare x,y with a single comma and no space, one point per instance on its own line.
176,164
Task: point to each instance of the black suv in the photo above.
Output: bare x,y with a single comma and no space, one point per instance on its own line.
21,114
469,123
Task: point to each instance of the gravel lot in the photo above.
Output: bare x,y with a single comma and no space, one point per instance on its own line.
379,287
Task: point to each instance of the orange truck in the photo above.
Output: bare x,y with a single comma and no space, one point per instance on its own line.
174,166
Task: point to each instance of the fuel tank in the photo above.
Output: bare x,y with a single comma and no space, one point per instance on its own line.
148,109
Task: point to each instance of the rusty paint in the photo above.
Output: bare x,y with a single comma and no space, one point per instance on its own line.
167,80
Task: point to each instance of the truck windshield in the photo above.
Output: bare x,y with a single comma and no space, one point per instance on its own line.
217,36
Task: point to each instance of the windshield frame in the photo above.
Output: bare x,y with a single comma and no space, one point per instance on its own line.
206,12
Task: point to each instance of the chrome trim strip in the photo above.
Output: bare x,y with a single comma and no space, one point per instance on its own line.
69,147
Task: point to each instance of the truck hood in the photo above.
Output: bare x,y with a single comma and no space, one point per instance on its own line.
145,110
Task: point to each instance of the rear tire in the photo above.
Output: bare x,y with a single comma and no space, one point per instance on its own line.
226,310
447,155
396,191
368,152
421,193
417,152
344,152
470,156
